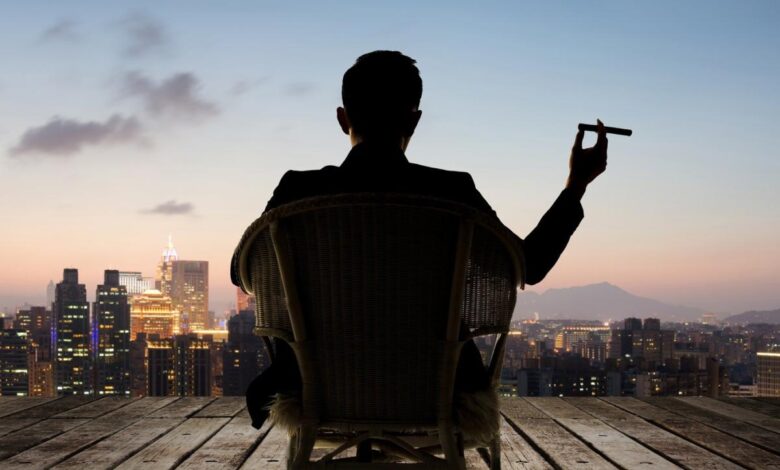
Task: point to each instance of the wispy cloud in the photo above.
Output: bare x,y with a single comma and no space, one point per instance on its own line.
171,208
245,86
62,30
144,35
64,137
299,88
176,96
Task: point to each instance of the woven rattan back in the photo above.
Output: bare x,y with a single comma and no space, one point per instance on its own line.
373,284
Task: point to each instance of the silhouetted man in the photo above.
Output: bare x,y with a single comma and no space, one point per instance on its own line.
381,96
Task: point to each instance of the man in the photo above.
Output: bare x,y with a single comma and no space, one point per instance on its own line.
381,96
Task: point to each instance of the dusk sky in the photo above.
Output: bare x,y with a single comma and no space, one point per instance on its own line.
123,122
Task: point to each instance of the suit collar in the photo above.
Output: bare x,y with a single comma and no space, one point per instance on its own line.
364,155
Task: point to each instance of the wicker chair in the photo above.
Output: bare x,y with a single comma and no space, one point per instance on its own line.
374,292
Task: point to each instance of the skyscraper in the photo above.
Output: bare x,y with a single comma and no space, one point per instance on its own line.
72,336
36,322
165,268
14,372
244,356
179,367
153,313
768,374
49,294
111,336
190,293
135,282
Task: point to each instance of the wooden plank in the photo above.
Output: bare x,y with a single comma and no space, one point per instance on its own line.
520,408
671,446
771,400
474,460
53,407
754,405
610,442
96,408
17,404
228,448
25,438
183,407
726,446
118,447
554,442
761,437
175,446
734,412
223,407
142,408
517,453
9,425
271,453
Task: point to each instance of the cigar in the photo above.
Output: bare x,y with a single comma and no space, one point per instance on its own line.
608,130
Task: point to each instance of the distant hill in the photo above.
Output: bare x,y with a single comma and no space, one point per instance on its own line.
753,316
602,302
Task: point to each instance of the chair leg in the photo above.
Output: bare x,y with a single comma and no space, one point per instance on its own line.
495,453
301,445
452,447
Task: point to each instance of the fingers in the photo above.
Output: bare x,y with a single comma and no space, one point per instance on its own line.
578,140
601,141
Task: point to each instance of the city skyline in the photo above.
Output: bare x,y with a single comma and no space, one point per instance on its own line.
135,120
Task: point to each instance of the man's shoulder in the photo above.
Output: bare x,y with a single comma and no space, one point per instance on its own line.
440,173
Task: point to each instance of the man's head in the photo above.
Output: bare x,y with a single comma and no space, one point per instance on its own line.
381,95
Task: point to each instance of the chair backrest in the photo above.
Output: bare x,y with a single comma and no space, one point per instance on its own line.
369,289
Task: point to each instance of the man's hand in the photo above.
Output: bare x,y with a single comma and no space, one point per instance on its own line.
586,164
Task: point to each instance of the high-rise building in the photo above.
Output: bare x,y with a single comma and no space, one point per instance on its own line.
111,333
190,293
135,282
153,313
165,268
50,293
36,321
139,365
244,356
179,367
768,374
72,356
14,372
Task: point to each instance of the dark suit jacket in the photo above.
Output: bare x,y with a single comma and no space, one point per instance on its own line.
369,169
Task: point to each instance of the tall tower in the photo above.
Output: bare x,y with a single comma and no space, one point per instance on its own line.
244,356
72,336
165,268
49,294
190,293
111,333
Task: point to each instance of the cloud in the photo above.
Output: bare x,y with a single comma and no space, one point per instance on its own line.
144,35
170,208
63,30
299,88
175,96
244,86
63,136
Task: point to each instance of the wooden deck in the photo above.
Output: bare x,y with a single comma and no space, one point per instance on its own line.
537,433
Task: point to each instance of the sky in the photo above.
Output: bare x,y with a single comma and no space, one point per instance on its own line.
123,122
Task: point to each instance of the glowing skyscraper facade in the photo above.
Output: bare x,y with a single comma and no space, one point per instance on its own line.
73,364
111,337
190,293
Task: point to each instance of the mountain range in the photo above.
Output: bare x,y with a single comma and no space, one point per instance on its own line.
603,302
753,316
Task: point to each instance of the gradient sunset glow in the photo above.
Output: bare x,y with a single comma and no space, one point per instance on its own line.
127,121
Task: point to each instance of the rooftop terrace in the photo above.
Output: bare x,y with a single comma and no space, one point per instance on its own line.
538,433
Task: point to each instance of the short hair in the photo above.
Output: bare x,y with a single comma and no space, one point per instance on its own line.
380,91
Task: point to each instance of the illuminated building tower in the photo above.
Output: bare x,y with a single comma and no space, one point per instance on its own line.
153,313
14,373
111,337
139,365
244,354
179,367
72,336
36,321
768,374
161,375
165,268
190,293
135,282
